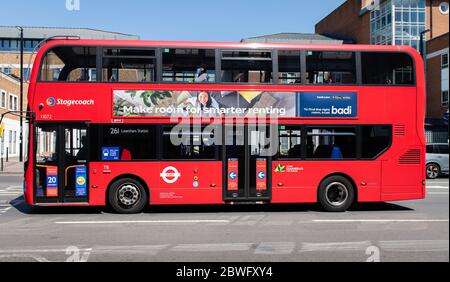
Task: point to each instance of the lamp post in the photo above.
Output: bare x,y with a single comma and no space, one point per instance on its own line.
422,52
21,95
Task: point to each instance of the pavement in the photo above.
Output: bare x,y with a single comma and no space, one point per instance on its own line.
12,167
386,232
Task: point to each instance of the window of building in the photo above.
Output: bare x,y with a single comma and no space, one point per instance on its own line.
3,99
375,140
6,70
129,65
290,142
444,61
387,68
13,102
189,65
331,143
73,64
443,8
247,66
330,67
192,145
128,142
444,98
289,67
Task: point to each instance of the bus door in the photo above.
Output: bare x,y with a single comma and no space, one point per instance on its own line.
246,164
61,171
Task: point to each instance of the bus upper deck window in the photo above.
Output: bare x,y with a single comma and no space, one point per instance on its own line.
69,63
247,66
129,65
330,67
189,65
387,68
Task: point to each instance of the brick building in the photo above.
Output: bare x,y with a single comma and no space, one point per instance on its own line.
400,22
10,71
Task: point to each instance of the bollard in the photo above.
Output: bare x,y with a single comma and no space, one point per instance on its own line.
7,154
1,165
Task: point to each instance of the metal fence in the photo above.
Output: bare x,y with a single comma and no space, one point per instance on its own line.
437,136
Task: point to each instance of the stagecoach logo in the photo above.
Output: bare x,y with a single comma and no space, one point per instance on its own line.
170,175
51,102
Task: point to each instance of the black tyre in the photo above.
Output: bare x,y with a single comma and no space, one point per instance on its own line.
433,171
336,194
127,196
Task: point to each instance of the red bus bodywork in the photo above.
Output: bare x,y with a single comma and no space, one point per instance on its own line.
383,179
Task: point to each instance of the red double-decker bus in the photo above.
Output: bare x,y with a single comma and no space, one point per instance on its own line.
137,123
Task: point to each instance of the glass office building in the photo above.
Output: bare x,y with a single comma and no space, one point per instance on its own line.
398,22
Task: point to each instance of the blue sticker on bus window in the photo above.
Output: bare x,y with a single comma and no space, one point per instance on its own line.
81,181
328,104
110,153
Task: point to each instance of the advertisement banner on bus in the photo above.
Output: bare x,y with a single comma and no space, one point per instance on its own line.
233,175
203,103
261,174
168,103
328,105
52,181
81,181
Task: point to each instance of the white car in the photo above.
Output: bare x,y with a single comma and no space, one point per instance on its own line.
437,160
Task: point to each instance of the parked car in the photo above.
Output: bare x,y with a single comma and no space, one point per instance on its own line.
437,160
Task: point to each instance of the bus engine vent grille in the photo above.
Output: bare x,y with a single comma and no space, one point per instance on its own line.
399,130
410,157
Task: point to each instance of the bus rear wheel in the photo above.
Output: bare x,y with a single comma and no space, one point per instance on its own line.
336,194
127,196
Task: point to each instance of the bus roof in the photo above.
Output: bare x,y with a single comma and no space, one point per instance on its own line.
227,45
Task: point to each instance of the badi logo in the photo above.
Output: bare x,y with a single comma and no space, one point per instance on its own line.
170,175
342,111
51,102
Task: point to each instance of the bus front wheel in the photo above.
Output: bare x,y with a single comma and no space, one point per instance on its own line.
336,194
127,196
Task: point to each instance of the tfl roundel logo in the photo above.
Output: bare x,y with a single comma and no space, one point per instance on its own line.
51,102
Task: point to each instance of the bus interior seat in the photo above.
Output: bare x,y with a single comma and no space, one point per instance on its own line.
126,155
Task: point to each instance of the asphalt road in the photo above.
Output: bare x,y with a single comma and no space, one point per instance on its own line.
404,231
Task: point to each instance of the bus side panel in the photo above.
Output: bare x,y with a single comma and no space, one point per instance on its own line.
196,182
298,181
402,181
199,183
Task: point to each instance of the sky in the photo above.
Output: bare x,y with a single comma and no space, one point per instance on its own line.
208,20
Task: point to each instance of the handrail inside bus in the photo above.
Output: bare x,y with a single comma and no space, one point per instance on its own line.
41,43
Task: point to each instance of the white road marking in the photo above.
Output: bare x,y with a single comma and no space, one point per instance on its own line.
151,250
335,246
437,193
377,220
415,245
223,247
438,187
142,221
34,251
275,248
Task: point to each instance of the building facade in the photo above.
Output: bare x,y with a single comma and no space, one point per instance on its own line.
10,71
400,22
